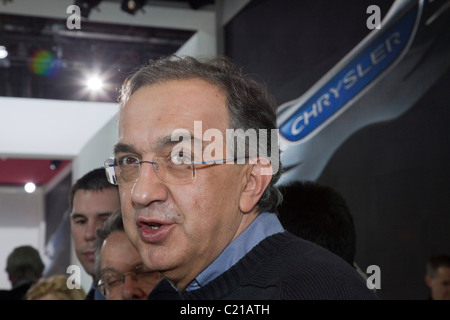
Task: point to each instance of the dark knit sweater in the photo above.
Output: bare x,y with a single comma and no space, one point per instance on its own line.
281,267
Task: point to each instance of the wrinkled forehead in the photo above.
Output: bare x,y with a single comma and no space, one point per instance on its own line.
118,253
154,113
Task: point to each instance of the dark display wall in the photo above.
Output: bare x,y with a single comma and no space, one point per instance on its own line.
393,174
58,233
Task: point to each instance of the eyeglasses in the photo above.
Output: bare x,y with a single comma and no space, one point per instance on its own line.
111,282
125,170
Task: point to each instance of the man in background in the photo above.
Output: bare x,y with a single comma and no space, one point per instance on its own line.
320,214
24,267
92,200
437,277
118,265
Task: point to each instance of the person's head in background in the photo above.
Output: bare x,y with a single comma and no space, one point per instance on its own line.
24,263
92,200
319,214
437,276
118,265
54,288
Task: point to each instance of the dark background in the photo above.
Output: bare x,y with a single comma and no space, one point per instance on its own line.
394,175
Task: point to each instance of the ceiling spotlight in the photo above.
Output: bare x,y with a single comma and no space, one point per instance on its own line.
94,83
131,6
54,164
30,187
3,52
86,6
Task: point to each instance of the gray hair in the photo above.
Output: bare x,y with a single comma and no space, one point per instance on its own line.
250,106
113,223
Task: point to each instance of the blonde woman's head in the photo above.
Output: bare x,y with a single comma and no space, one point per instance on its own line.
54,288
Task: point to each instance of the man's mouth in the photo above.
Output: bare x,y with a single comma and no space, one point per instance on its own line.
89,254
154,225
153,231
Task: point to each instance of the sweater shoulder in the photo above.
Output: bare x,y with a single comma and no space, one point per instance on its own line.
300,269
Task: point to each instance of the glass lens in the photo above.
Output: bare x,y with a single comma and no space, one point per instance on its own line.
146,277
175,173
149,278
109,170
111,282
101,286
125,170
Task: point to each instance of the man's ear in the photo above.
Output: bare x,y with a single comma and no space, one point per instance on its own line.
258,180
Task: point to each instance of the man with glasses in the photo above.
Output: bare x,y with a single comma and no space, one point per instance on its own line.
206,222
122,274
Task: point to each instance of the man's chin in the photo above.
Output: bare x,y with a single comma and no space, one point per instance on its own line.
158,262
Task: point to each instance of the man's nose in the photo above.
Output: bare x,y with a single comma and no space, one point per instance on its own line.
148,187
132,291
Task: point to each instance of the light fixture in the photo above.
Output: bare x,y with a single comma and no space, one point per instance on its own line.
132,6
54,164
86,6
94,83
30,187
3,52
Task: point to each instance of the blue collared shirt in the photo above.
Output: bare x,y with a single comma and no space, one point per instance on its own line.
265,225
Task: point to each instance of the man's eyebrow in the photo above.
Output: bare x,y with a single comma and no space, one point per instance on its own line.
109,269
167,141
124,148
104,214
113,270
162,142
76,215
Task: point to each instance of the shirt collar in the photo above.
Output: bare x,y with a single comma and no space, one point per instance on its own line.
264,225
97,293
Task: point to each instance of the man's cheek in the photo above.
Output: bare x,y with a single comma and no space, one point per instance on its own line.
125,195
